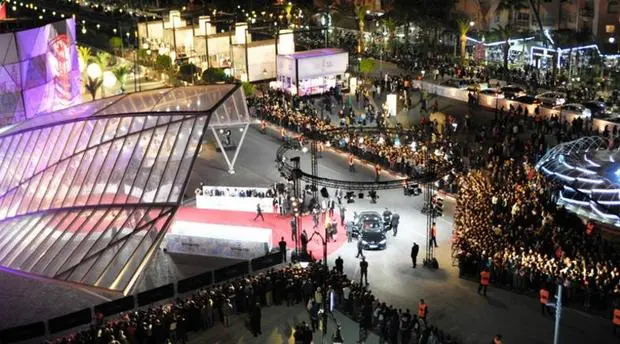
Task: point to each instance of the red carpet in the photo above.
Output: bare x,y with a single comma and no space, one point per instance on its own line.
280,225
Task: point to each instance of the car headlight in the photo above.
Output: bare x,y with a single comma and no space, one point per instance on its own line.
364,242
383,242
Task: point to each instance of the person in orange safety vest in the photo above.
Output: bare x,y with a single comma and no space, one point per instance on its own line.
616,321
590,228
282,135
377,172
497,339
484,281
263,126
422,310
543,296
351,167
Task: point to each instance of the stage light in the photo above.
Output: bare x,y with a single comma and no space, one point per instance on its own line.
304,149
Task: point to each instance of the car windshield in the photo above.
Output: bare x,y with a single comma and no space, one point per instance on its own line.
371,226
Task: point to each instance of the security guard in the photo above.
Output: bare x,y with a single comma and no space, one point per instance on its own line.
543,296
484,281
422,311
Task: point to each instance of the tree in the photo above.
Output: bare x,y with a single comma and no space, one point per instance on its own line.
187,71
511,7
213,75
360,16
121,72
84,54
163,63
288,9
102,59
463,28
248,89
390,26
93,85
503,33
115,43
367,66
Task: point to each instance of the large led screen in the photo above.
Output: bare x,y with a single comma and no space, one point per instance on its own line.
39,71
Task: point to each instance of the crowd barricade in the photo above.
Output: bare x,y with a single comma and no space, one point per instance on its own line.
205,199
69,321
86,316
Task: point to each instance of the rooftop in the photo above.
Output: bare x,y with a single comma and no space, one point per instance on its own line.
315,53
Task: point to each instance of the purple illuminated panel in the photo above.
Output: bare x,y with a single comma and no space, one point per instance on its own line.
39,71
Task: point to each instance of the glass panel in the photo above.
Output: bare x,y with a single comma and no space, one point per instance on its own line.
111,128
53,187
78,179
95,230
53,136
114,245
188,158
6,203
24,243
121,166
73,243
29,195
101,183
33,253
159,167
15,240
103,239
7,163
88,185
63,236
10,228
16,164
95,137
60,146
85,136
133,166
5,155
174,162
65,183
42,256
124,126
126,263
73,137
37,152
147,165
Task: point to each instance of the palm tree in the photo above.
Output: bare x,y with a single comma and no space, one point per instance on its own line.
360,15
463,28
511,7
84,54
121,72
93,85
503,33
288,9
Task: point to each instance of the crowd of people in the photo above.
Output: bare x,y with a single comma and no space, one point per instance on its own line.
507,222
405,151
294,285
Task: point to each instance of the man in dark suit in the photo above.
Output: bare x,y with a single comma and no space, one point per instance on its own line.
339,265
255,317
414,254
364,271
282,245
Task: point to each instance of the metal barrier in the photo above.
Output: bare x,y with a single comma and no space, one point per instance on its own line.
85,316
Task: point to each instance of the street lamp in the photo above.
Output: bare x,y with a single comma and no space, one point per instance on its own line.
612,40
472,23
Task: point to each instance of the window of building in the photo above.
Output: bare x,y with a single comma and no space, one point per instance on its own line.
610,28
612,6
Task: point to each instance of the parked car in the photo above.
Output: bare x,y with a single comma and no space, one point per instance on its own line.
596,107
373,239
492,92
367,220
529,100
575,110
511,92
552,98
